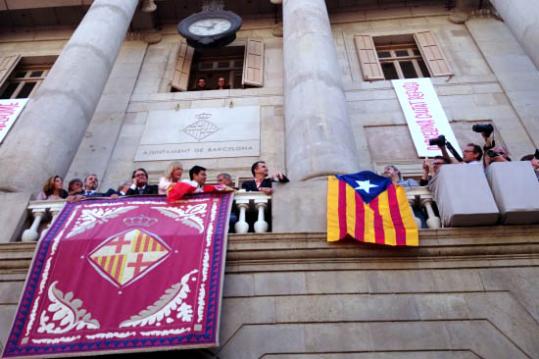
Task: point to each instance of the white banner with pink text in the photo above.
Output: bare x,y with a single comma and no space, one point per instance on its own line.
9,111
424,114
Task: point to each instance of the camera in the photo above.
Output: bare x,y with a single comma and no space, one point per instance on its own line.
438,141
485,129
492,153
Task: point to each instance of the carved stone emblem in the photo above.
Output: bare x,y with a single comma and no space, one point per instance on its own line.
202,127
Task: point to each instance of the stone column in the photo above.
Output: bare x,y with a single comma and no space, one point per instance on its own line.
319,139
522,17
48,133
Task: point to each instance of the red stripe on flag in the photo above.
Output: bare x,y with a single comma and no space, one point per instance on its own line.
342,209
400,231
379,236
360,218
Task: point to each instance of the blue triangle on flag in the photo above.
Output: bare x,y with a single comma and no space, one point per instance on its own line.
366,183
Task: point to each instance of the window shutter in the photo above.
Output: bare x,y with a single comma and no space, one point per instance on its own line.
180,80
432,54
253,63
368,58
7,65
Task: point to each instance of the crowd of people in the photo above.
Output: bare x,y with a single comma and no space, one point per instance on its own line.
170,184
472,154
174,187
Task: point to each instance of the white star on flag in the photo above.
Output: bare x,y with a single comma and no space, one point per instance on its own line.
365,186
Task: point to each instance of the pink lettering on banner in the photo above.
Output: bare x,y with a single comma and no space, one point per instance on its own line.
421,111
8,112
424,114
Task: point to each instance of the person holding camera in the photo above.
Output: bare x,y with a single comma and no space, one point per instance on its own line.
493,153
431,169
496,154
471,154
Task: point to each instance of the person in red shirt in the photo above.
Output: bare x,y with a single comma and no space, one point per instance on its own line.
196,184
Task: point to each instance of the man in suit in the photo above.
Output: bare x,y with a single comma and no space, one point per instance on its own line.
261,182
140,183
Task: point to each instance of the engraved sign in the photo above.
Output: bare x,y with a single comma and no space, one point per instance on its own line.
200,133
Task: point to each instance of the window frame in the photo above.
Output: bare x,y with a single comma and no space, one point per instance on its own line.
28,65
396,60
431,52
252,71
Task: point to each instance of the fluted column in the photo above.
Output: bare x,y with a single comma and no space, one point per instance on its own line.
319,139
48,133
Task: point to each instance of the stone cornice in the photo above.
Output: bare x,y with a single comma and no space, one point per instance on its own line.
478,247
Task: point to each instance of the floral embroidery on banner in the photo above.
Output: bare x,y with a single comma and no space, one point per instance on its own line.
56,340
172,300
191,216
68,314
205,266
91,217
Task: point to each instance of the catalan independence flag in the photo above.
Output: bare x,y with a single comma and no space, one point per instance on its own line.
371,209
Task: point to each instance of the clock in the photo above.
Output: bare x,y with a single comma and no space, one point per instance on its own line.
213,28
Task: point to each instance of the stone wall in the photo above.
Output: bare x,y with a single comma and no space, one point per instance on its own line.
465,293
493,80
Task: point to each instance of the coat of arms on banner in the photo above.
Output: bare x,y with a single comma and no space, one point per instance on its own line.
123,275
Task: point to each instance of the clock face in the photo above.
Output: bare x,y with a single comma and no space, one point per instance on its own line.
210,27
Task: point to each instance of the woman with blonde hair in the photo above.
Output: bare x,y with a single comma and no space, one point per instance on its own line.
53,190
172,175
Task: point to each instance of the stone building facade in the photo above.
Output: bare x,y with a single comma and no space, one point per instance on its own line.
464,293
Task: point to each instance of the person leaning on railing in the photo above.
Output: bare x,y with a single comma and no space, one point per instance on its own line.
261,182
53,190
172,175
195,184
394,174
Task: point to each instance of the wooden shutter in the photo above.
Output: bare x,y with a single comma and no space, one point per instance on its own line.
180,80
368,58
253,63
7,65
432,54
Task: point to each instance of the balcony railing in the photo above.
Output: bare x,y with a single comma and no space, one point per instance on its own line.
43,213
421,198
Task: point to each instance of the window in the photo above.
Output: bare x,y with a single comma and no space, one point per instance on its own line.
20,77
214,63
401,61
241,66
400,56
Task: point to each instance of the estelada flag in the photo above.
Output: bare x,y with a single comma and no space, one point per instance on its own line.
371,209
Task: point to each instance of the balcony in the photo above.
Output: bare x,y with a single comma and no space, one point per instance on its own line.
256,204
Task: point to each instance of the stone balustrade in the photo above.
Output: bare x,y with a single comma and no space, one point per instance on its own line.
246,201
421,198
43,213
